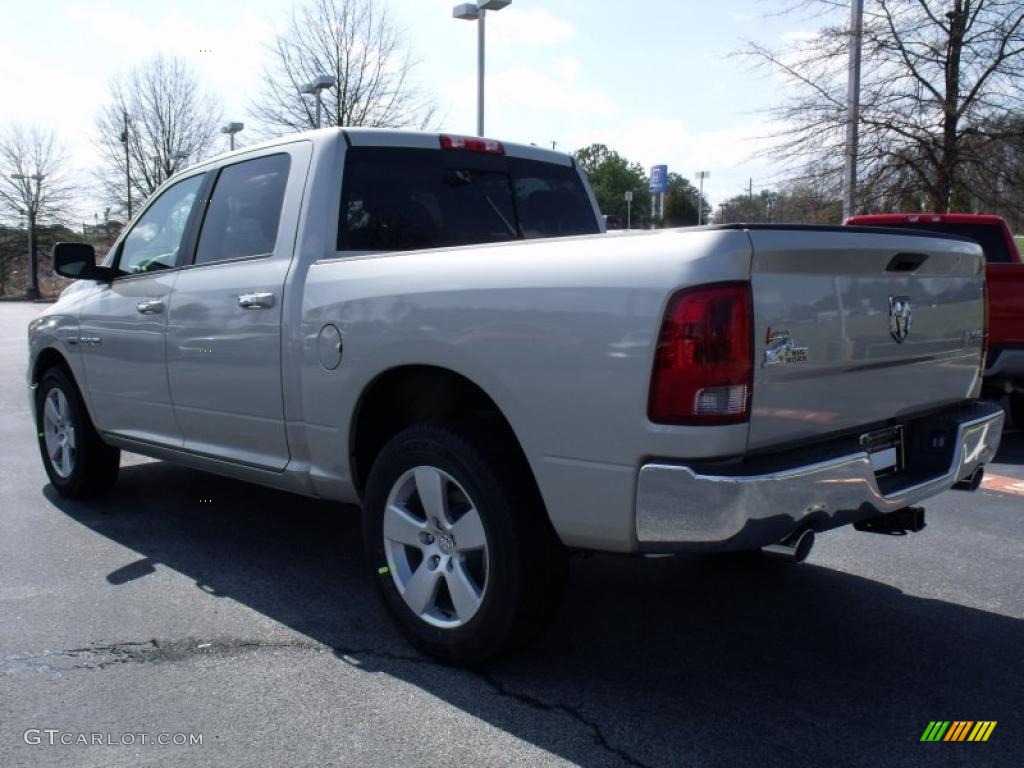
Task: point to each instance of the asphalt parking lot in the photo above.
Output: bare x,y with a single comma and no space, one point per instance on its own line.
248,619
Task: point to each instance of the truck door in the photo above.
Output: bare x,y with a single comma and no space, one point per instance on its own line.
122,323
224,324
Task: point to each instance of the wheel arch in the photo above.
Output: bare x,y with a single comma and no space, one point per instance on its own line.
50,357
417,394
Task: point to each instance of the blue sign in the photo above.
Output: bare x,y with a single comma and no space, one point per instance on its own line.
659,179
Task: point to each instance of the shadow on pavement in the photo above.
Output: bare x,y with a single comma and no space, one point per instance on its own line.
685,660
1011,449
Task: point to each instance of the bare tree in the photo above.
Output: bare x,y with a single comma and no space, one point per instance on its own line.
356,43
35,185
941,78
158,119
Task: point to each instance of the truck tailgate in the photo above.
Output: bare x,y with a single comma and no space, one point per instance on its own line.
854,327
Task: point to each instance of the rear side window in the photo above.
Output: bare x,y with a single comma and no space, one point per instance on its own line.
990,238
244,210
551,200
404,199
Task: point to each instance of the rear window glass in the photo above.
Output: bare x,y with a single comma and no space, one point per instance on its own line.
990,238
403,199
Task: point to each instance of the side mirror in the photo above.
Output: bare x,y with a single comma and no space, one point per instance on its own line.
78,261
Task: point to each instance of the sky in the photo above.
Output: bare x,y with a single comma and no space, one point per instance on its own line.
658,81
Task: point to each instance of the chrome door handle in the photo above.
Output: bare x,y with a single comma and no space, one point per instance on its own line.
256,300
150,306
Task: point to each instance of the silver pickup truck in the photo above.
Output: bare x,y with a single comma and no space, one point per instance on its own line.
435,328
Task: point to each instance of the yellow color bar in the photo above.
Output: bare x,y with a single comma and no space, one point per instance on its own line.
982,730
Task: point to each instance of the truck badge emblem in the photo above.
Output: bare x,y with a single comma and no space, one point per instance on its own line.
779,348
900,317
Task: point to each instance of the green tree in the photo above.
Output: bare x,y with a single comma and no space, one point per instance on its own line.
611,176
681,202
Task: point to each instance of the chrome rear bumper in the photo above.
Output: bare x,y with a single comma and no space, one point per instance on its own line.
680,509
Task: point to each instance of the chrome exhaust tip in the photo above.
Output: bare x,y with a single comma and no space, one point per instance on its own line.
795,547
972,482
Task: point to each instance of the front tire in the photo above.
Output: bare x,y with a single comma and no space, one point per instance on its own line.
460,545
80,465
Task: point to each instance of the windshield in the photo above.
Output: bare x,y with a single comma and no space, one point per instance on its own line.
988,236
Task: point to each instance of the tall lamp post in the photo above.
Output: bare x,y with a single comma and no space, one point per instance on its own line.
700,196
32,289
853,109
231,129
314,88
478,12
127,163
178,157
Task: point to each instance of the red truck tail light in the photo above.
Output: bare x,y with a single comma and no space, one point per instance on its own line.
704,363
471,144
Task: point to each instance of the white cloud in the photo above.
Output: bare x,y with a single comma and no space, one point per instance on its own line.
515,25
533,25
519,90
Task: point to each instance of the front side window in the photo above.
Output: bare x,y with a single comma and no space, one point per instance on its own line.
244,211
154,241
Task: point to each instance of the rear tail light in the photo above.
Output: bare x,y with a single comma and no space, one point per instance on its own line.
704,363
470,144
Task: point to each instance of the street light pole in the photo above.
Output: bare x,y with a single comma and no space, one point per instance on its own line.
32,289
853,108
314,88
701,175
481,44
127,163
231,129
478,13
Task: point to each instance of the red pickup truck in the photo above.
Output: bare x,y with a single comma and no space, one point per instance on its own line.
1004,373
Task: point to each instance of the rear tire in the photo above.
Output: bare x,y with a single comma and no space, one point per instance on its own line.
460,545
80,465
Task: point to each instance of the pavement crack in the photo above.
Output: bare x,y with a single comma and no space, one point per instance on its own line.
528,700
104,655
535,702
98,656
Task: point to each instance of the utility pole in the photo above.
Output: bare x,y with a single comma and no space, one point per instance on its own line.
750,191
127,164
853,108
